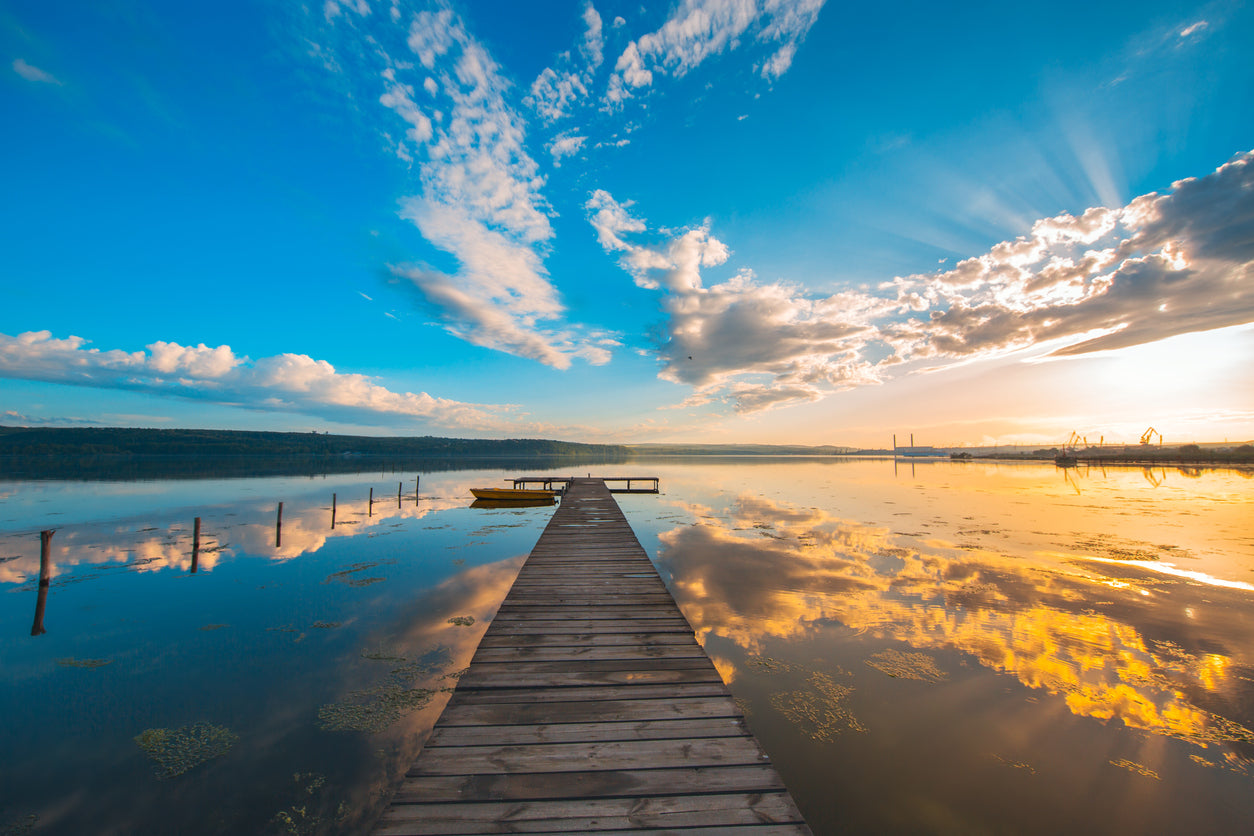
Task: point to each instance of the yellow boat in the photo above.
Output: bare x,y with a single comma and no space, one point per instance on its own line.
512,494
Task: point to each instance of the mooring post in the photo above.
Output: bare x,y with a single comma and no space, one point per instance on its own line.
195,545
332,511
45,578
278,528
370,506
398,494
417,485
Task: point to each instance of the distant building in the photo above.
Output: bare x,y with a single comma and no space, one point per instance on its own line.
919,452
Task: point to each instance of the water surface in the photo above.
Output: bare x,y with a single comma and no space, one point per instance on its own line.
938,647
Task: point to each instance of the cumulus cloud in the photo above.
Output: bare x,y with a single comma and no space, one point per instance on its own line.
699,29
1165,264
33,73
1162,265
566,145
285,382
747,343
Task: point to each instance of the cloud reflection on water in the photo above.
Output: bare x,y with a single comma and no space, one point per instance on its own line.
1112,640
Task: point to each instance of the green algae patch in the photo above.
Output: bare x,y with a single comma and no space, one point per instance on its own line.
346,576
820,711
310,812
372,710
767,664
20,826
326,625
175,751
907,665
71,662
462,620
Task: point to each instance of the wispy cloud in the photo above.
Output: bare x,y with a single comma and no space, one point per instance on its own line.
699,29
559,88
282,383
480,197
33,73
1164,264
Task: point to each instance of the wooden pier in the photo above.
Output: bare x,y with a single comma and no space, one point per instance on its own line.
628,484
590,707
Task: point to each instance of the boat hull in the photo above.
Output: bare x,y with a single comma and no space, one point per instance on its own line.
512,494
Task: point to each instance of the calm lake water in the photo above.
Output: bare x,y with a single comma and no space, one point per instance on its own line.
929,648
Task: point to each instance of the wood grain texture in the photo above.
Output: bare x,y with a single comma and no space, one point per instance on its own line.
589,707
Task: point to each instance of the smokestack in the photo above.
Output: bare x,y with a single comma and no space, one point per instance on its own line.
911,439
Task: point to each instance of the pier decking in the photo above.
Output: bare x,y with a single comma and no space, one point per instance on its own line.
590,707
629,484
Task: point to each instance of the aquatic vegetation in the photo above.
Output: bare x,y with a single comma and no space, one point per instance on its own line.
19,827
1031,770
907,665
345,576
308,815
71,662
820,712
766,664
1133,766
326,625
209,627
372,710
178,750
462,620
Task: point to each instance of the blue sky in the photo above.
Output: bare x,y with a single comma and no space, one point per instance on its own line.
743,220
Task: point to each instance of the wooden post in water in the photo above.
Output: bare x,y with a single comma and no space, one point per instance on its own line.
332,512
278,528
398,494
195,545
417,485
45,578
370,506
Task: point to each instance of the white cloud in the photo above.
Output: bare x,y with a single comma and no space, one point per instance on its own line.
1193,29
699,29
553,95
558,89
593,46
750,344
566,145
480,194
1108,278
285,382
33,73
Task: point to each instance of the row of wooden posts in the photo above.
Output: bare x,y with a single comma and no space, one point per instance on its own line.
45,548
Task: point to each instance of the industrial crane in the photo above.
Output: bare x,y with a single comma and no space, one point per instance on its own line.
1148,436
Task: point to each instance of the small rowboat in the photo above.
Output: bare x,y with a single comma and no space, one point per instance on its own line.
512,494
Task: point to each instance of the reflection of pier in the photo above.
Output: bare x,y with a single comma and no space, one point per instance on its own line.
590,706
630,484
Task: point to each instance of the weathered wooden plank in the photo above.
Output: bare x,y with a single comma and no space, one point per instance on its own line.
462,711
579,757
591,693
568,638
521,678
620,653
589,784
592,815
600,731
